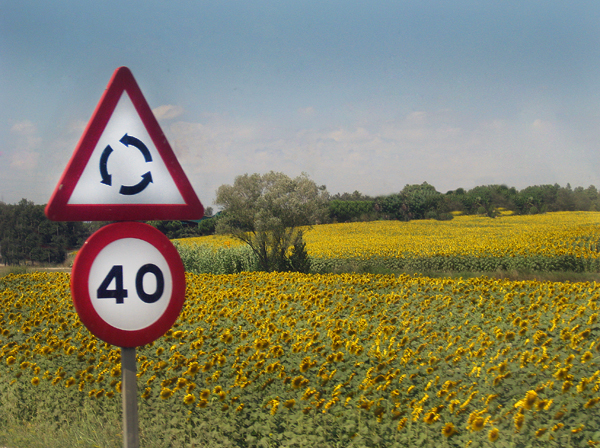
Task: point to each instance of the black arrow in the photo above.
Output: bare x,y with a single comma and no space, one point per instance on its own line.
106,178
129,140
137,188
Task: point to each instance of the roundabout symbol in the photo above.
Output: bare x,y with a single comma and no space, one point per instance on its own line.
123,168
127,190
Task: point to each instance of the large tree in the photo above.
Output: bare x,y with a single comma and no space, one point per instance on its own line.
266,212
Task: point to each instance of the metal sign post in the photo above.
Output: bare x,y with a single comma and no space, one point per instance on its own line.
131,437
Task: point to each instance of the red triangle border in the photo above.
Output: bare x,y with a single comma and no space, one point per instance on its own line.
58,208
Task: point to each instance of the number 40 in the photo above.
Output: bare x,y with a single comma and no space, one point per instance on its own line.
119,292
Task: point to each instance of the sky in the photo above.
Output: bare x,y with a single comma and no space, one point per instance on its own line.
359,95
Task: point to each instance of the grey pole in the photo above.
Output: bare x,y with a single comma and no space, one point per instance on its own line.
131,437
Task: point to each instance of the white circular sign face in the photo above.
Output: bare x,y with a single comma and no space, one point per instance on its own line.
129,284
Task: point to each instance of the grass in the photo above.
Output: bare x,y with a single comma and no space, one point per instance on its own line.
88,432
23,269
558,276
514,275
5,270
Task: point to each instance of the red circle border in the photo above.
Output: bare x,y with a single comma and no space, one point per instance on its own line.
80,284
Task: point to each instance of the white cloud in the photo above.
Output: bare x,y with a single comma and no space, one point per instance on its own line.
23,128
26,144
378,157
76,127
306,111
24,160
417,118
167,112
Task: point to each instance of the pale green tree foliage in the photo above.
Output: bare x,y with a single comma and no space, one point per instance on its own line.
266,212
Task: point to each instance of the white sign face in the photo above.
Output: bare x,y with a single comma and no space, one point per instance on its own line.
130,284
125,167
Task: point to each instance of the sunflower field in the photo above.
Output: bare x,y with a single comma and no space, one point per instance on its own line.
327,360
560,241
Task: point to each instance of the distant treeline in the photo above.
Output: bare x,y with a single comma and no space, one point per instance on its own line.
423,201
28,237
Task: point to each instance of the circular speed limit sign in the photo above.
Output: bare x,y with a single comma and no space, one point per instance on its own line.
128,284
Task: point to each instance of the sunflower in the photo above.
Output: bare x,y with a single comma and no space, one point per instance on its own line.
401,424
490,398
227,338
431,417
478,424
177,334
166,393
333,401
493,434
297,382
448,429
35,381
204,394
519,420
289,404
189,399
304,366
202,403
578,429
540,432
193,368
530,399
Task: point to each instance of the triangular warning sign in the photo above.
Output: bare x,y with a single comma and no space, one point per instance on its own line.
123,168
